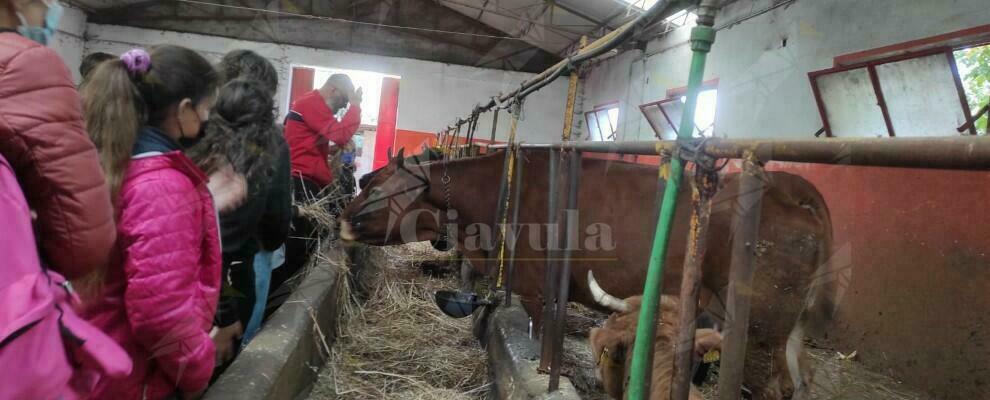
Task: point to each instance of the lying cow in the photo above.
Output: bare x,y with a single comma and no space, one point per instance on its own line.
617,207
611,345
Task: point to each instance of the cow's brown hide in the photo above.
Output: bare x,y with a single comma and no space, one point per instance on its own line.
794,237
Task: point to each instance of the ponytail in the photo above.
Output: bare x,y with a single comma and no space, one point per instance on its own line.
114,112
135,90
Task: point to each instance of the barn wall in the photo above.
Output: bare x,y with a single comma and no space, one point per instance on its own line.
431,95
914,242
763,85
70,40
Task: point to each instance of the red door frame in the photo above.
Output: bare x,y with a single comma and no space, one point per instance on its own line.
388,112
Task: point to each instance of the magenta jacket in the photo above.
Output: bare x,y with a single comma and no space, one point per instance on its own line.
162,288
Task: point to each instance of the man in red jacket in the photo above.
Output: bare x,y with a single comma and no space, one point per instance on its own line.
311,128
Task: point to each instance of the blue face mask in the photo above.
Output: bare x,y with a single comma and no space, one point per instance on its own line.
42,34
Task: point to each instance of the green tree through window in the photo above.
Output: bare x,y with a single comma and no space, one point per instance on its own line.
974,66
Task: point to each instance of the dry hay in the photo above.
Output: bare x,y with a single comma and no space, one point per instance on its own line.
838,379
399,345
418,255
847,379
578,362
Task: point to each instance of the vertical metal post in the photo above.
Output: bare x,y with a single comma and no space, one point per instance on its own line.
453,142
751,186
503,188
702,37
552,304
503,193
570,236
702,192
572,87
472,125
516,197
494,126
550,275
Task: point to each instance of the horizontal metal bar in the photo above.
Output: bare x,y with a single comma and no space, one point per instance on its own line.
966,152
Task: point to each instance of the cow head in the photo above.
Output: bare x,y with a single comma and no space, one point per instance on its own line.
612,344
393,206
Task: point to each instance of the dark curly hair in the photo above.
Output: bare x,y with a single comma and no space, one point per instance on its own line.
246,64
241,132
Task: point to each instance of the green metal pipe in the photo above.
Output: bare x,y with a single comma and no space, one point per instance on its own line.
702,38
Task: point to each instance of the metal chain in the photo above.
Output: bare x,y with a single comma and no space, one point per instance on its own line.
445,180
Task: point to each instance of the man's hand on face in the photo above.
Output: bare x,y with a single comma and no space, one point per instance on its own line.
356,97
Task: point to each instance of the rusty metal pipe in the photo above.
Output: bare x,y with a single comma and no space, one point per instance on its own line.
491,141
965,152
743,265
702,192
497,238
516,196
570,233
550,274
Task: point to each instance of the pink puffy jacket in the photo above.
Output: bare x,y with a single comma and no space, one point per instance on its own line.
161,290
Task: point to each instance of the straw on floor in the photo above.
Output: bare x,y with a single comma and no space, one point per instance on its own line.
399,345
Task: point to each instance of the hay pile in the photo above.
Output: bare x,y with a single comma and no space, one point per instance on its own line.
398,345
838,379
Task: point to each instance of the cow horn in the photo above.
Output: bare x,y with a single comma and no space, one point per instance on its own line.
603,298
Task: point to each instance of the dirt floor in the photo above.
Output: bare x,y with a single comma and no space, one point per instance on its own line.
396,344
837,377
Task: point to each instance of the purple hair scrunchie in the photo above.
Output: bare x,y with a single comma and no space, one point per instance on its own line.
137,61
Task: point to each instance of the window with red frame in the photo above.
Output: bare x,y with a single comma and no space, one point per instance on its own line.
909,89
603,122
664,116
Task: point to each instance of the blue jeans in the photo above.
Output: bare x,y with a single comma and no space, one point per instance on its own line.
264,263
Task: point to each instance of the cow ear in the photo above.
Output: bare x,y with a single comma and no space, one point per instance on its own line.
399,160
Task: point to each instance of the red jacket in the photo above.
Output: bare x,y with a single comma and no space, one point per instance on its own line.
161,293
43,137
309,129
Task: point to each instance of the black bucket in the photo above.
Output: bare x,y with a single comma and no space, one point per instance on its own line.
458,304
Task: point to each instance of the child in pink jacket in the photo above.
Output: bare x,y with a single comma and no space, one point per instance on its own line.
160,292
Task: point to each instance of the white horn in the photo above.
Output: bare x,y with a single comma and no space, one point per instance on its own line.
603,298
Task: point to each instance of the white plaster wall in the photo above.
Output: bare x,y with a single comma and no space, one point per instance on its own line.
763,86
70,39
431,95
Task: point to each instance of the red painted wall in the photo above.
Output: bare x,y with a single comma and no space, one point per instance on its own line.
387,113
412,141
918,245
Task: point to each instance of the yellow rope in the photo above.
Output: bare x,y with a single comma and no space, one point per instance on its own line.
508,196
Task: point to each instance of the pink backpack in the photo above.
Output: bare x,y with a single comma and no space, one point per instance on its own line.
48,352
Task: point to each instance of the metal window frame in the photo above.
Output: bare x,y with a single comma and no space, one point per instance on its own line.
673,95
870,66
594,112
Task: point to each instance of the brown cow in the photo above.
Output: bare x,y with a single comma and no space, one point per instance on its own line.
617,217
612,343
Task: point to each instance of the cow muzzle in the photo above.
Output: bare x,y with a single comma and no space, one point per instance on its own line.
347,231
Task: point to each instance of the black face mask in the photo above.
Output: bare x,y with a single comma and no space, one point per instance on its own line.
190,142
